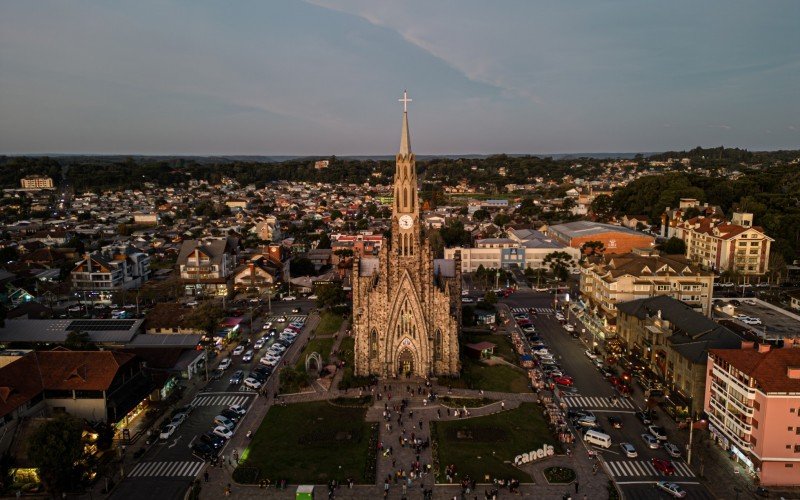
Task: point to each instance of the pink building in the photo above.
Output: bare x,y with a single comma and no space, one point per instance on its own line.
753,405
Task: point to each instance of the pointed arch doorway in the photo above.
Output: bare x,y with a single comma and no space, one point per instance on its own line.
405,362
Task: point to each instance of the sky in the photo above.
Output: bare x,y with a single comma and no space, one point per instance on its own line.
322,77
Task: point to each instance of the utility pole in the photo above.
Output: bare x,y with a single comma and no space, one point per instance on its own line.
689,445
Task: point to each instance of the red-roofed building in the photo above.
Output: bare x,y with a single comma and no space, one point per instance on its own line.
720,245
99,386
753,405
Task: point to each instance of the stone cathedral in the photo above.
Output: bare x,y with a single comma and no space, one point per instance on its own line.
406,304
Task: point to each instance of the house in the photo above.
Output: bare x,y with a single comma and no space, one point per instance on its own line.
206,264
635,221
99,386
257,276
113,268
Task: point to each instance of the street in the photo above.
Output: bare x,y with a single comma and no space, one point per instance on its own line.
591,391
169,467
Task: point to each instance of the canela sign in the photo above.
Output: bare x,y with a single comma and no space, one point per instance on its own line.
545,451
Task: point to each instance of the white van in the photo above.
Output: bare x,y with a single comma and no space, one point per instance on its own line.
598,438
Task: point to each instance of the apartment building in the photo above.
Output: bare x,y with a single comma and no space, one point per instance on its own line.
113,268
753,404
205,265
671,340
737,246
524,249
607,280
716,243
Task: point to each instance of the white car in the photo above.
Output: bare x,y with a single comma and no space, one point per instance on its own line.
312,297
223,432
651,441
560,317
269,360
568,327
238,351
259,344
590,354
167,431
225,364
252,383
672,450
277,348
241,410
248,356
671,488
267,325
628,450
749,302
289,297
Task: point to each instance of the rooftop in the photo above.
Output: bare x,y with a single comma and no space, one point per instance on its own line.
769,369
581,228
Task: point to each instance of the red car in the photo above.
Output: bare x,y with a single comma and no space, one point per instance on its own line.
564,380
663,466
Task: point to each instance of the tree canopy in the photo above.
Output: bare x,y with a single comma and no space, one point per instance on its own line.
55,447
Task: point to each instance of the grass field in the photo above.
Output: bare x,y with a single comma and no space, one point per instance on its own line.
487,445
310,443
476,375
329,323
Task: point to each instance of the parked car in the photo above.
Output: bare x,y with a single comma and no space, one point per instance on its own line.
239,350
564,380
237,377
590,354
644,418
248,356
241,410
672,450
224,364
671,488
223,432
252,383
177,419
658,432
234,416
212,440
663,466
204,451
224,421
166,432
651,441
288,298
628,450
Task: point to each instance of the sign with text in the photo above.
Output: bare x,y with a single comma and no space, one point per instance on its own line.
545,451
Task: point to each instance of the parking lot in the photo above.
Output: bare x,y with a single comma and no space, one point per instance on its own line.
775,323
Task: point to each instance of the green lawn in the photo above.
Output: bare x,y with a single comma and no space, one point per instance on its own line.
476,375
321,345
309,443
329,323
487,445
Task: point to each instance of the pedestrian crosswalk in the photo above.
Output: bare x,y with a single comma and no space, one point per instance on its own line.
643,468
539,310
597,402
166,469
221,399
289,319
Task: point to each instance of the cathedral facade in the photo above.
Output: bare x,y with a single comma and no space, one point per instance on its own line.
406,304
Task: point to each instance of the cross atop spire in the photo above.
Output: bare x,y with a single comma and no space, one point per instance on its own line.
405,100
405,138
